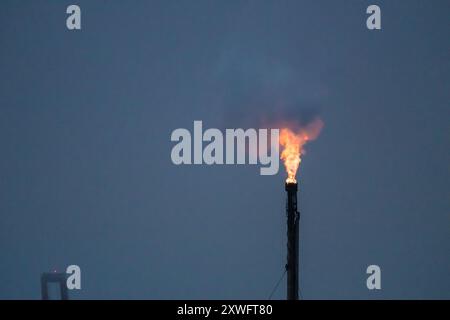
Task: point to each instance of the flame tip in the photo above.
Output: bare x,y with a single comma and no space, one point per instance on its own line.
293,142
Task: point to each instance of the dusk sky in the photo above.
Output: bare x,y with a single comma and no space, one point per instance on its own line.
86,176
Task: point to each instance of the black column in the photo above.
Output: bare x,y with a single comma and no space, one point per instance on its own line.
292,241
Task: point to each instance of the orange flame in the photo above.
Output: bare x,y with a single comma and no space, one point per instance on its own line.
293,142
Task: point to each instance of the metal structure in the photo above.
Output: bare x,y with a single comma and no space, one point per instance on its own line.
293,217
54,277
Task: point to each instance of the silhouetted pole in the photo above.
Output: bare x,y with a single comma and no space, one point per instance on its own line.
292,241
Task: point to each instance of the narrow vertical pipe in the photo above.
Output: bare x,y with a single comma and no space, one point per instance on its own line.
292,241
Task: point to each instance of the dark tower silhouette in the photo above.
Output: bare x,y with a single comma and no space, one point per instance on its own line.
292,241
54,277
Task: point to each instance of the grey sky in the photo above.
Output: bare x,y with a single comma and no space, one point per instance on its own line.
86,176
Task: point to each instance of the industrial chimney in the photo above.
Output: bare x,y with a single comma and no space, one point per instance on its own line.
293,142
292,240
